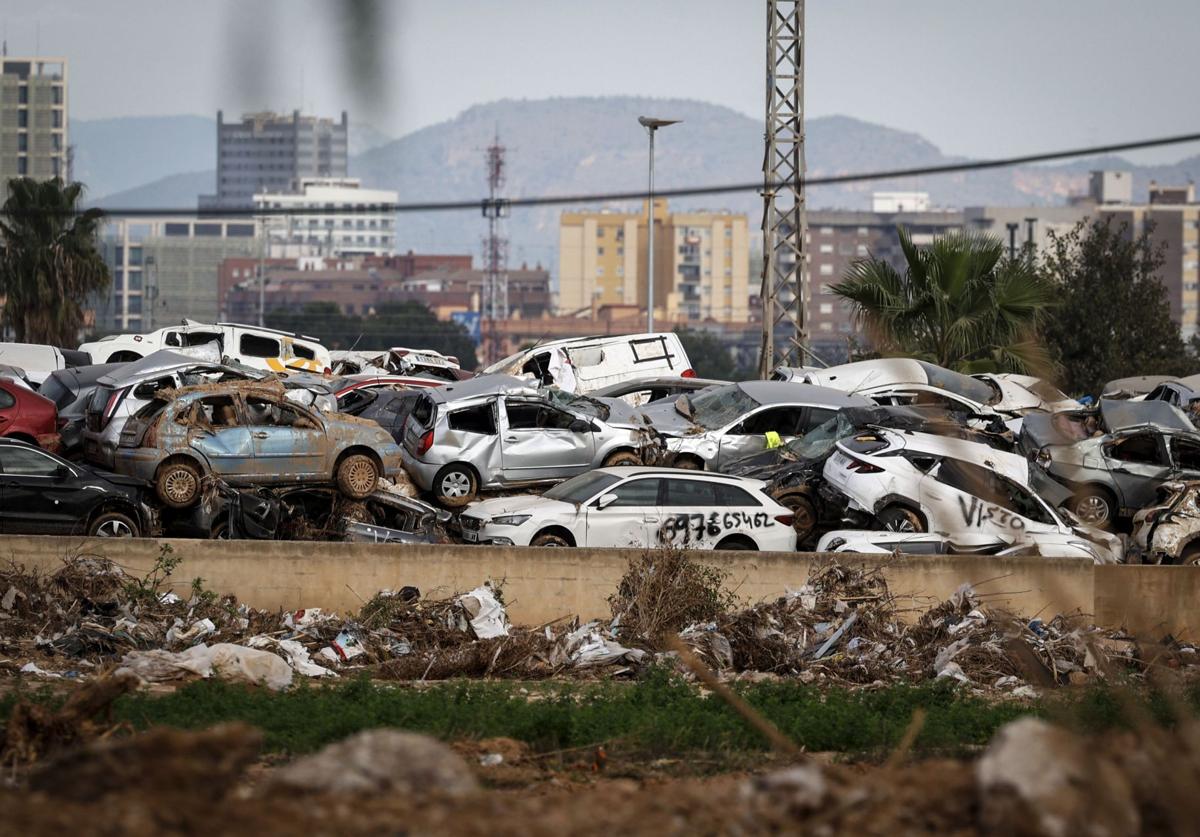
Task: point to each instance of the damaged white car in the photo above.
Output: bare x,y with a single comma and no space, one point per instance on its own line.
1168,532
916,482
1040,544
637,507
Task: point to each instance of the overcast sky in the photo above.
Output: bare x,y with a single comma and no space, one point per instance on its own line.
976,77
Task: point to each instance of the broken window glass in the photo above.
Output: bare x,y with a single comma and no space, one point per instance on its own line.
1186,454
1142,449
478,419
253,345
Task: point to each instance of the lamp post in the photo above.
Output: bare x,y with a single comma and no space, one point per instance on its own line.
651,125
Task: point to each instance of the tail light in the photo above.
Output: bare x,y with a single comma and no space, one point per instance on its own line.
860,467
688,373
425,444
786,519
327,371
110,408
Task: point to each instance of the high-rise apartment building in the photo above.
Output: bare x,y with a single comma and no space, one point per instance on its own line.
270,152
33,119
702,262
351,221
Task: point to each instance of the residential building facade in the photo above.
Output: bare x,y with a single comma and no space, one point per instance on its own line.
702,262
346,219
33,119
270,152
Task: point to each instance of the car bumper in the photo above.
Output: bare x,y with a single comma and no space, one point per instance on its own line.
476,531
421,473
136,463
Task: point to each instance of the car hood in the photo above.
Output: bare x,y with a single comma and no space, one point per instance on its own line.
663,416
118,479
621,413
519,504
1041,429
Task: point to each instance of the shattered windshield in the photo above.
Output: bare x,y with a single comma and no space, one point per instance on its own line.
578,403
1047,392
963,385
820,441
578,489
715,407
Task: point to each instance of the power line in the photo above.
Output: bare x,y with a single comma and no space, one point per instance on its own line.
691,191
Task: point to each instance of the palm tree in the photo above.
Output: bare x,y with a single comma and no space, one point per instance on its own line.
959,304
49,264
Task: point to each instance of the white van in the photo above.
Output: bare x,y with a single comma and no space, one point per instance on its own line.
583,365
35,360
258,348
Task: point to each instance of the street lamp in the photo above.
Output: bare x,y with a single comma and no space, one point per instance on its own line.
651,125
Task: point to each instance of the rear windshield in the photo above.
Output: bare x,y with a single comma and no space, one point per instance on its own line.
422,412
1047,392
959,384
99,399
56,391
582,487
152,409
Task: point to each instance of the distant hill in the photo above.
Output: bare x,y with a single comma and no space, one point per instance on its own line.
577,145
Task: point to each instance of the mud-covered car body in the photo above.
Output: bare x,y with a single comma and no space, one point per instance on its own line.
248,433
1168,532
1104,549
495,431
637,507
1114,457
717,426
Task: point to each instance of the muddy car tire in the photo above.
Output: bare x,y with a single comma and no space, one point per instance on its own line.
688,463
1095,507
1190,556
113,525
455,486
177,484
622,459
549,539
900,519
357,476
737,542
805,514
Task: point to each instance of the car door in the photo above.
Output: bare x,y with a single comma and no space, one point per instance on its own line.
749,435
541,442
221,436
1138,463
631,520
288,442
1185,458
690,514
39,495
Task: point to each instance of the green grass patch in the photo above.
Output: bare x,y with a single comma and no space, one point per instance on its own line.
659,714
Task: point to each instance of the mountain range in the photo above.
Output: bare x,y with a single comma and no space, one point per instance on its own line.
566,146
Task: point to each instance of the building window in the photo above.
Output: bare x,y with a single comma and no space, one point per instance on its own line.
826,230
826,326
826,270
599,232
22,119
599,251
826,248
599,270
22,165
22,142
861,250
863,231
826,307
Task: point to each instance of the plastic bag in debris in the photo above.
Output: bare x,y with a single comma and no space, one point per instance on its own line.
305,618
488,619
33,668
972,620
10,598
225,660
585,646
943,665
964,595
806,595
711,642
295,653
177,635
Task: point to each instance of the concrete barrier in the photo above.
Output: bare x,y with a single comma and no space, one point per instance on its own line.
544,584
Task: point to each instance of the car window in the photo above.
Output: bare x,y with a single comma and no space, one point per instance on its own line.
199,338
422,411
263,412
477,419
254,345
1142,449
6,400
522,415
26,462
925,398
1186,454
817,416
786,421
355,401
581,488
172,339
216,411
690,493
302,351
637,493
147,389
731,495
716,407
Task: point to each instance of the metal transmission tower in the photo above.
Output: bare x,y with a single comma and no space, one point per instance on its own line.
493,301
784,225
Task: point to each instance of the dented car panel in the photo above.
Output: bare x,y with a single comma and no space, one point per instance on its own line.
1168,532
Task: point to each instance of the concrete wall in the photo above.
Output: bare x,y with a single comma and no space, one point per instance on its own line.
545,584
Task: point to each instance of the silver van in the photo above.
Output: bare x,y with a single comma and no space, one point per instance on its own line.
495,431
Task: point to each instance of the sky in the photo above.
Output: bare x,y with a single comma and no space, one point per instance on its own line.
979,78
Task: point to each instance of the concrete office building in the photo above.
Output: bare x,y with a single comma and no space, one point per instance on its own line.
702,262
270,152
33,119
352,221
165,270
1019,226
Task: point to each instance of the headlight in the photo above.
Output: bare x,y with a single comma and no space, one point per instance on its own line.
510,519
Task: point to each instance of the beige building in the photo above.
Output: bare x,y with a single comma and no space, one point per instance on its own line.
33,119
702,263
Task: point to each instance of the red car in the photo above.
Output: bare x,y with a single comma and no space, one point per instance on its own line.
28,416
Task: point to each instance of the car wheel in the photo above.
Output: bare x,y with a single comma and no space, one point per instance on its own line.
1191,555
900,519
178,484
220,530
622,458
804,514
548,539
737,542
455,486
113,525
688,463
357,476
1093,506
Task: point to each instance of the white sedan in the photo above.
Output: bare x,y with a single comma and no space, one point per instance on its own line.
637,507
1105,549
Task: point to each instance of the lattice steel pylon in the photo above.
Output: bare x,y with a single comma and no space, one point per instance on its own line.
493,302
784,225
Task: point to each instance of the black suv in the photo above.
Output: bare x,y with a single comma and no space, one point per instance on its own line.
42,494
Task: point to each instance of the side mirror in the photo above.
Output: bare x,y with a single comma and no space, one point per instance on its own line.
61,473
580,426
606,500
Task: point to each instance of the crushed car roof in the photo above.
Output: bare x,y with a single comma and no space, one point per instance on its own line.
1121,415
481,386
789,392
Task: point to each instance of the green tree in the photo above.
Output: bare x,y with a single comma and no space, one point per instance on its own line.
323,320
1114,318
959,303
49,263
711,358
